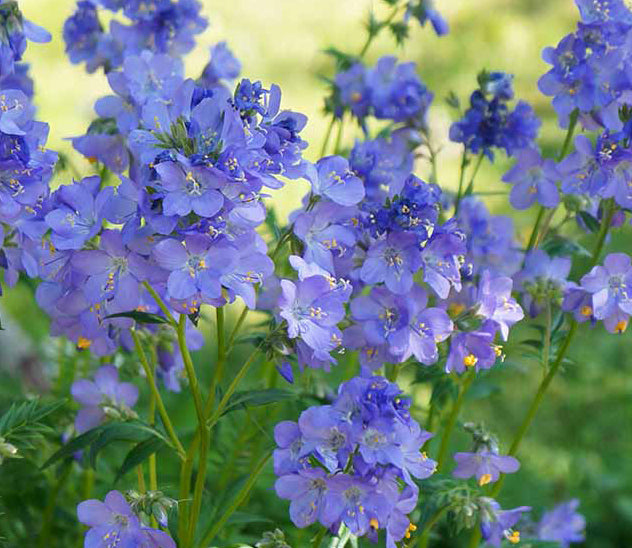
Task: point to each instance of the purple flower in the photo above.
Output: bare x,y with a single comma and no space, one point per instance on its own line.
113,523
428,327
353,90
308,491
290,456
496,524
475,349
423,11
331,177
442,258
542,279
194,268
326,435
610,286
189,188
114,272
222,66
485,465
312,309
397,93
384,318
534,179
96,396
496,303
563,524
392,261
77,213
355,503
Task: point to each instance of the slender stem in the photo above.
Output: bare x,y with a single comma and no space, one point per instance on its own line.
330,128
189,368
219,366
235,331
546,351
141,479
459,194
572,125
372,36
479,162
153,473
163,306
339,135
318,539
200,481
231,389
47,518
241,496
536,227
154,389
452,418
424,538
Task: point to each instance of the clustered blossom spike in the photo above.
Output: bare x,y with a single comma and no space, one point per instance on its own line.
354,461
489,124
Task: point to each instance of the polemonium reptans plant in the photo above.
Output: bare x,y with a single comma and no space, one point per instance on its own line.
383,273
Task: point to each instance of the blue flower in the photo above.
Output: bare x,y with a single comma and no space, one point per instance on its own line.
497,524
534,179
563,524
485,465
331,177
392,261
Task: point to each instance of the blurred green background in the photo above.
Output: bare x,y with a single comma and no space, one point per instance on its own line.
582,440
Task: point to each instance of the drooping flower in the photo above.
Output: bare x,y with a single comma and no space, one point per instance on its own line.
102,396
485,465
563,524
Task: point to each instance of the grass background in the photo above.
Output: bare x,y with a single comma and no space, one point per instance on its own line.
582,441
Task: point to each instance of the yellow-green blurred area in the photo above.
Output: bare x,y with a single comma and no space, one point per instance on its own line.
581,443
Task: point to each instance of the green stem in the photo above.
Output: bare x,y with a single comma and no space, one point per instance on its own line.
330,128
452,418
424,538
241,496
572,125
235,331
339,135
536,228
190,369
47,518
479,162
166,421
231,389
141,479
459,193
163,306
318,539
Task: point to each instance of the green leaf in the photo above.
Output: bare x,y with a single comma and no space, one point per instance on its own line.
253,398
23,420
138,454
591,223
111,432
74,445
140,317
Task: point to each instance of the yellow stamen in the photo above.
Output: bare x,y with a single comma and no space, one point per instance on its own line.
586,310
514,537
484,479
470,360
83,343
374,524
621,326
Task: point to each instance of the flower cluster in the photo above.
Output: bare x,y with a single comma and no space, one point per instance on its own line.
388,91
26,167
489,123
590,68
165,26
354,461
